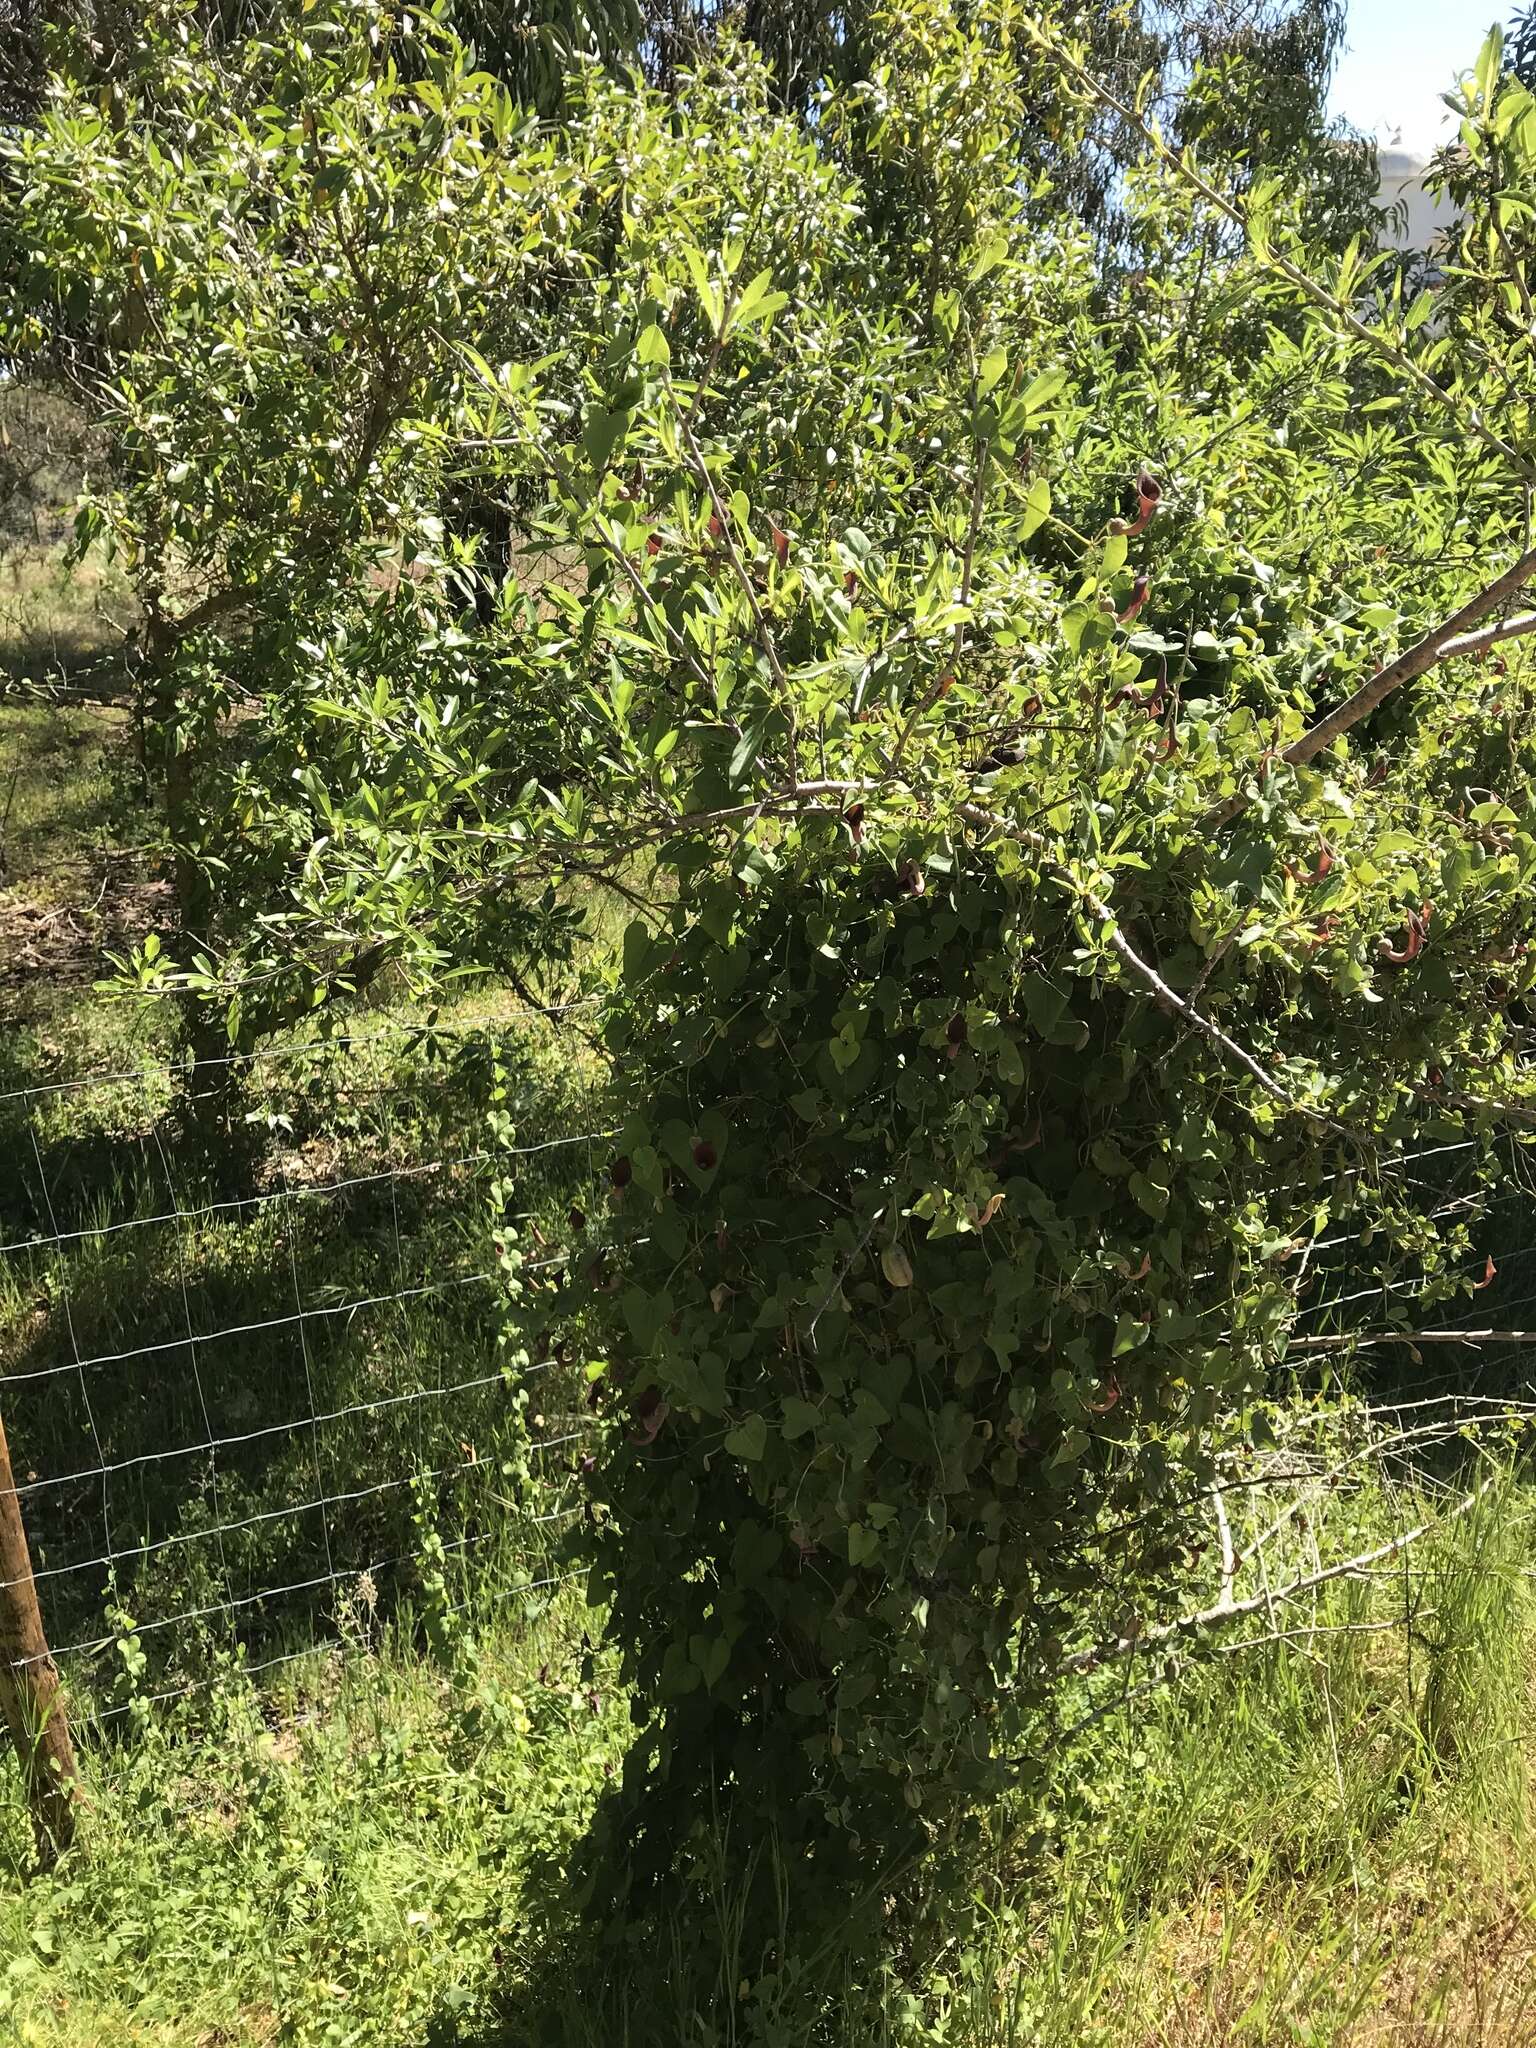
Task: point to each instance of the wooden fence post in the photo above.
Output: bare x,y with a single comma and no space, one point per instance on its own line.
30,1693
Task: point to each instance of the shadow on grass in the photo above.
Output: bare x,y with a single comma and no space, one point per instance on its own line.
738,1942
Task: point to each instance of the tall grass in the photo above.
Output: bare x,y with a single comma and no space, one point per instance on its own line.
1322,1839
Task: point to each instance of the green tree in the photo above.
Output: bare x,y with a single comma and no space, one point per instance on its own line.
1051,728
1093,853
246,278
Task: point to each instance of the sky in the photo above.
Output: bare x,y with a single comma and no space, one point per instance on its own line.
1400,56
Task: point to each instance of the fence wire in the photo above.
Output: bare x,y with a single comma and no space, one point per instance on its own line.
233,1411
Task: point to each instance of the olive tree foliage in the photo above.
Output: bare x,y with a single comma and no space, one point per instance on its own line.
249,277
527,46
1478,170
1522,44
1246,79
263,278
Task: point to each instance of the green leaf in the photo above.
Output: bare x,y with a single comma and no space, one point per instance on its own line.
1038,395
602,432
987,258
799,1417
756,1550
748,1439
1149,1194
638,948
711,1654
711,297
646,1313
992,367
1130,1333
1037,507
1490,62
758,303
1086,629
1049,1012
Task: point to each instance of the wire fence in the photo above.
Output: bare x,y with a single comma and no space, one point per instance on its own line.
239,1416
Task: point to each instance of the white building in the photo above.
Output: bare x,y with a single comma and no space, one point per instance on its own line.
1428,215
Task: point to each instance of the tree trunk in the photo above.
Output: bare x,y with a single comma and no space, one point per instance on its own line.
30,1693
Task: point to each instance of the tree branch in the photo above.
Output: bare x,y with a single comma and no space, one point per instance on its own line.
1175,1005
764,634
1166,998
1447,642
1227,1609
935,690
1414,1337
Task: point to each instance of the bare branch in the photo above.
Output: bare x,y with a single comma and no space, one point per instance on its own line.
1167,999
1229,1610
1229,1557
1372,1337
1446,642
1456,1098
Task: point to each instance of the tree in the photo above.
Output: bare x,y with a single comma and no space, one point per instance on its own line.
1245,79
245,278
1050,726
1094,852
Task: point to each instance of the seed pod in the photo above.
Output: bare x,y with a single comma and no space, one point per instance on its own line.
621,1173
896,1266
705,1157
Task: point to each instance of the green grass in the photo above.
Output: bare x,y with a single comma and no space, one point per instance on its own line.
75,883
1326,1841
61,625
335,1858
371,1186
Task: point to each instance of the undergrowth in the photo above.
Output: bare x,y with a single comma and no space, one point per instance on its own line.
1322,1839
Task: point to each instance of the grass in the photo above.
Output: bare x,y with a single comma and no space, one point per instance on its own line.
335,1858
1323,1840
61,627
1326,1842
